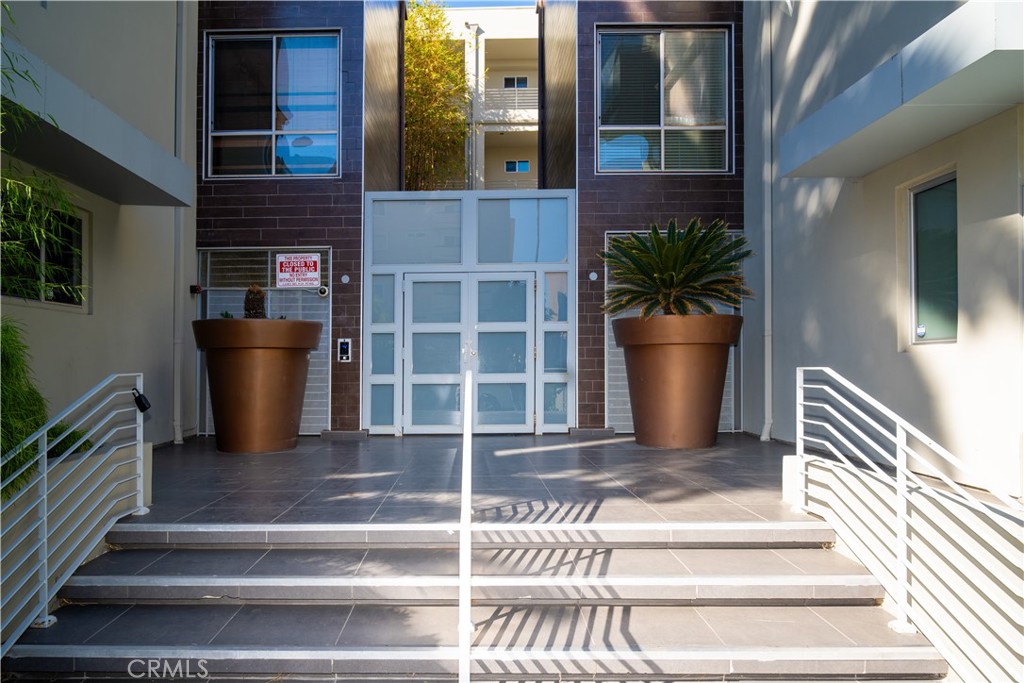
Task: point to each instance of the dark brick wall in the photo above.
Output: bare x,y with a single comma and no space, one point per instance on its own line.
628,202
297,212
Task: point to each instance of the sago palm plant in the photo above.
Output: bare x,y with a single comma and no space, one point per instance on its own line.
678,272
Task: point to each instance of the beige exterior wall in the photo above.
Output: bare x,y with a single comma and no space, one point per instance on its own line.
494,167
840,285
115,51
124,55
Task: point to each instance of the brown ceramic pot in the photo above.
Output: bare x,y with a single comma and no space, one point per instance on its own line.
675,367
257,371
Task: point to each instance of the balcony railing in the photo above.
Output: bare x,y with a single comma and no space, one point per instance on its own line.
497,99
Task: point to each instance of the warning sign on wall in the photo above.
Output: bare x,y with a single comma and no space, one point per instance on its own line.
298,270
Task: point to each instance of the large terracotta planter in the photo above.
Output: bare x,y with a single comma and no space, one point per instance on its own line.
675,367
257,371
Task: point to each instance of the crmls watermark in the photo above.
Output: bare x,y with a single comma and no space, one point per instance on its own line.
167,668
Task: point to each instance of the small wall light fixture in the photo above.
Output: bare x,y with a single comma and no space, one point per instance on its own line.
141,402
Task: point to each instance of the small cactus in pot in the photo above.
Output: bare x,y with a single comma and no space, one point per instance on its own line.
255,305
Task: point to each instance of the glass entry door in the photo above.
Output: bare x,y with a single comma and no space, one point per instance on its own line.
451,320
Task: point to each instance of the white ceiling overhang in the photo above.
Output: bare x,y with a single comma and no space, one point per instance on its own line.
83,141
965,69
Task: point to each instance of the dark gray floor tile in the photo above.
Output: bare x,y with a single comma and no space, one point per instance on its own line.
284,626
409,561
204,563
308,562
75,624
170,625
356,513
381,625
120,562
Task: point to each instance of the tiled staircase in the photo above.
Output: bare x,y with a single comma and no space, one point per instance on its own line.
688,601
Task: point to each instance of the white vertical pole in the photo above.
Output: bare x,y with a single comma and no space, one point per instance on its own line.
901,570
140,464
466,628
43,618
801,446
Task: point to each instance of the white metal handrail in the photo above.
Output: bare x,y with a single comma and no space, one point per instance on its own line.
77,485
466,627
511,98
903,455
836,417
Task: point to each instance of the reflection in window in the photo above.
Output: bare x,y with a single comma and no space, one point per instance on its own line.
520,166
936,300
523,231
436,404
556,403
419,231
556,297
664,100
274,105
48,269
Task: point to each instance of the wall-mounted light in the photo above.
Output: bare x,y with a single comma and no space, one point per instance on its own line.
141,402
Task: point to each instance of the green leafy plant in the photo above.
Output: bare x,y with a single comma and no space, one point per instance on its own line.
22,406
678,272
38,223
436,100
226,314
24,411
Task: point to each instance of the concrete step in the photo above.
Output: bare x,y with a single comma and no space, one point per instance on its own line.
791,534
430,576
509,643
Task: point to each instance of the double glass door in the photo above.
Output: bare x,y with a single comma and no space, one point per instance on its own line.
482,321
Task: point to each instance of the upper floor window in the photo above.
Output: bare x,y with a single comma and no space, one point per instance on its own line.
517,166
273,105
664,100
515,81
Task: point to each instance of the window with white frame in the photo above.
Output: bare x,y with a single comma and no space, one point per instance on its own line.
274,105
515,82
934,283
664,100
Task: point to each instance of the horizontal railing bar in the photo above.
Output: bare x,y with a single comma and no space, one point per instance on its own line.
74,454
26,466
892,415
107,492
106,523
29,574
846,442
21,627
9,503
59,417
6,552
117,427
97,462
29,506
965,497
889,436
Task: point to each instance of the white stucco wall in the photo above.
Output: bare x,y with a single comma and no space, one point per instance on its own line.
124,56
840,286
